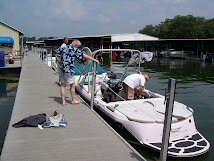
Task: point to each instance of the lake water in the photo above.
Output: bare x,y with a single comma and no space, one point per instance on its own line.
194,87
8,87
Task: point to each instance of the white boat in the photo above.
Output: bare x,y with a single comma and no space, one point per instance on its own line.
166,53
174,53
147,56
143,118
179,54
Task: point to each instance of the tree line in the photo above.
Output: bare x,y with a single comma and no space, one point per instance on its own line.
182,27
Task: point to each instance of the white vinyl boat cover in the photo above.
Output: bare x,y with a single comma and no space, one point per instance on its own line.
152,110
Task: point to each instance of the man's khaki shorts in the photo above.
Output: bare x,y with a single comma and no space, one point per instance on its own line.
129,92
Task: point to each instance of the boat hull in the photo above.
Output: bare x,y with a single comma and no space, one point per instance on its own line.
185,140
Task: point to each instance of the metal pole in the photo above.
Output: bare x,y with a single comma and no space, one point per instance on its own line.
168,118
93,85
43,55
46,56
51,58
46,53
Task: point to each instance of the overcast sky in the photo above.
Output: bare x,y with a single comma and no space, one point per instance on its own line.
59,18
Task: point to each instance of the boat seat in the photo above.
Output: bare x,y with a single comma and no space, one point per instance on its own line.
152,111
140,111
181,111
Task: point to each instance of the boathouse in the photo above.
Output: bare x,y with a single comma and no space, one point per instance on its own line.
142,42
11,33
108,41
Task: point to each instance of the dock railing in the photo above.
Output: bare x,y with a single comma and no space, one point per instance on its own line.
45,55
47,58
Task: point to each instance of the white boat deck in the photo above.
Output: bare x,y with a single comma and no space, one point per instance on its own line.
151,110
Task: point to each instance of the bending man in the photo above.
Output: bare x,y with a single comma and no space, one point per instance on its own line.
67,57
132,82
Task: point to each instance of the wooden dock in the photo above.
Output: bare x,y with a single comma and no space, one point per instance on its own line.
86,137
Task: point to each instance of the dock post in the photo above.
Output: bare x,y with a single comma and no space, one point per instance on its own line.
168,118
51,58
93,84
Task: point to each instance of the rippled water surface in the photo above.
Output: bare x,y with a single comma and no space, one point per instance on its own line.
8,87
194,87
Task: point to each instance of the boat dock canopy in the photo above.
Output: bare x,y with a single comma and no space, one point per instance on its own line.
132,37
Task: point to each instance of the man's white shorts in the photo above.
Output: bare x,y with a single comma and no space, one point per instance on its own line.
66,78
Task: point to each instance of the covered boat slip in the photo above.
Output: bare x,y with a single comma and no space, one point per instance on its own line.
86,137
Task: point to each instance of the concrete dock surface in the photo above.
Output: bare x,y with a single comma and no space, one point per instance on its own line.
85,138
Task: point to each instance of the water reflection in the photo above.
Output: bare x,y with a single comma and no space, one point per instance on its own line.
8,87
185,71
5,88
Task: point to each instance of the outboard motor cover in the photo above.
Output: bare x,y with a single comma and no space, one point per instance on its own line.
115,84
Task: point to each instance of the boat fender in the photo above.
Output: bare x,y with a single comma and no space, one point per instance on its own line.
114,56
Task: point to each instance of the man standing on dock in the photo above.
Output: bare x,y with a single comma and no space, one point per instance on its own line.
65,42
67,56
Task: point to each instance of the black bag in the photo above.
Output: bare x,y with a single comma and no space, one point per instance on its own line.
109,97
31,121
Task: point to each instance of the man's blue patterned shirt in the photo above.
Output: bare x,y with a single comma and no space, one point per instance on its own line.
67,55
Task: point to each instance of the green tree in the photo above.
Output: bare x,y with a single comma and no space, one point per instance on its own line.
182,27
149,30
209,28
162,30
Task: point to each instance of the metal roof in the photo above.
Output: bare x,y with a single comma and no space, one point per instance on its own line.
132,37
32,42
123,37
21,33
92,36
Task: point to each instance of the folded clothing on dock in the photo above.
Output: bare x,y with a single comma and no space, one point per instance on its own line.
55,120
31,121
